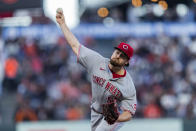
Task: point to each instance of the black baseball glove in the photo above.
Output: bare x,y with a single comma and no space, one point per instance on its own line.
110,111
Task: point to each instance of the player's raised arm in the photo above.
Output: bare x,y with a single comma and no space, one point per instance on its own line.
71,39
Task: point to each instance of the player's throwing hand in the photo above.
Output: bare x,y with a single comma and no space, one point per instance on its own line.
60,16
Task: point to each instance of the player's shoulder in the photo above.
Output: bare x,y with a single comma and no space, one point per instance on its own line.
106,60
128,77
91,52
129,82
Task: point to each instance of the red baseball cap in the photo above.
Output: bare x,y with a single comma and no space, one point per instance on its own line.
126,48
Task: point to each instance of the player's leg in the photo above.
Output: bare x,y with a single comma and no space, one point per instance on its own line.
104,126
95,120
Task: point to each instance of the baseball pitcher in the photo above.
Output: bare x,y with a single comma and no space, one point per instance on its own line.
113,91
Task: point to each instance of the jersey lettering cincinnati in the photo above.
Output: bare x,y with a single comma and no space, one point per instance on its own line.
109,86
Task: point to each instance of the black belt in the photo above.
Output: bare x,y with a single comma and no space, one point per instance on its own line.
96,111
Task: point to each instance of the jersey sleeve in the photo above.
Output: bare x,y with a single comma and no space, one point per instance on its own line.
129,101
88,58
129,104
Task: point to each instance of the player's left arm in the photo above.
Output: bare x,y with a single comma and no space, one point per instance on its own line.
128,107
125,116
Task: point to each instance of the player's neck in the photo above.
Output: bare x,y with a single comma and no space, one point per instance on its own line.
116,69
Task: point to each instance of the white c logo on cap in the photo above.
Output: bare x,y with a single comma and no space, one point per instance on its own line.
125,47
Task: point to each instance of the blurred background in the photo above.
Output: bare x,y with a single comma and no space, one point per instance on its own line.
40,80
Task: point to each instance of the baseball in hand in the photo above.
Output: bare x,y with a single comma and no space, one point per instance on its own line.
59,16
59,10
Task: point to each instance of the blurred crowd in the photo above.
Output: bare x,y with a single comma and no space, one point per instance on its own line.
164,71
147,13
50,85
48,82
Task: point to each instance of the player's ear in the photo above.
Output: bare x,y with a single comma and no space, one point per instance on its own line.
127,62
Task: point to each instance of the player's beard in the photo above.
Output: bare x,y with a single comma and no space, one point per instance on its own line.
115,63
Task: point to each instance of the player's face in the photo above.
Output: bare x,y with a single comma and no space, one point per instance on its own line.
118,58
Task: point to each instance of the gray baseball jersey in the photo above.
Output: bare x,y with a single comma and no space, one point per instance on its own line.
104,86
